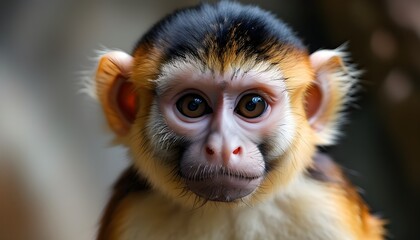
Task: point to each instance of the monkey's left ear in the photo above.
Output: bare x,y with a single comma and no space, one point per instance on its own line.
115,92
328,94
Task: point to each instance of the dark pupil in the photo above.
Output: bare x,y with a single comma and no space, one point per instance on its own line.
251,105
194,104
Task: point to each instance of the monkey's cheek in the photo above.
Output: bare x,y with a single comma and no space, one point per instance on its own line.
223,188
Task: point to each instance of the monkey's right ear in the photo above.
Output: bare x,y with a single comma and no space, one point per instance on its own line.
115,92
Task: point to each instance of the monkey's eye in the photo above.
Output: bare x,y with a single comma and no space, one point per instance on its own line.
193,106
251,106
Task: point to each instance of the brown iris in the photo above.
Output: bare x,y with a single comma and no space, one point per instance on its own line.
193,106
251,106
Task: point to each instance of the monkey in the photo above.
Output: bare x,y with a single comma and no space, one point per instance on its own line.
222,109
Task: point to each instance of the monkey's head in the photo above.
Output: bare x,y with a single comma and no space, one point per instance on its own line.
222,103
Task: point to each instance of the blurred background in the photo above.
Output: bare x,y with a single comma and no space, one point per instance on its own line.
56,163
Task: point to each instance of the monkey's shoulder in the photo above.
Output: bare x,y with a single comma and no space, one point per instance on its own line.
352,206
128,183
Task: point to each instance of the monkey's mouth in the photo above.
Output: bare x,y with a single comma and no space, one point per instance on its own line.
220,184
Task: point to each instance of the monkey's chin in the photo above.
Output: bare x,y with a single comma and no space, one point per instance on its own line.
224,188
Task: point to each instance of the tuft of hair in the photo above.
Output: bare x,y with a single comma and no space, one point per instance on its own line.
86,78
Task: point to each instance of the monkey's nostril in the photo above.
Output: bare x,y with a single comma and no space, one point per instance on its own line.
237,151
209,151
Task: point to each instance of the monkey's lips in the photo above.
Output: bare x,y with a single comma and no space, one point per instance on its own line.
221,185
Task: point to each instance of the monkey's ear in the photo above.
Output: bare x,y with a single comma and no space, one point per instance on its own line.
329,93
115,92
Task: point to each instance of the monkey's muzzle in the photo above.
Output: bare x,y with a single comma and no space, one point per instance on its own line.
220,185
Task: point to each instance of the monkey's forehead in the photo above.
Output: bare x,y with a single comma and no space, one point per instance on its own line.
188,74
220,32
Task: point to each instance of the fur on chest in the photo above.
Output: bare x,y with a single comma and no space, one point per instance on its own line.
306,214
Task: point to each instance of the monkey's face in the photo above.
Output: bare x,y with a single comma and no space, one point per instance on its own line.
226,135
220,132
222,103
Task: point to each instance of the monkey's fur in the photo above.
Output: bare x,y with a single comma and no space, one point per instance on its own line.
302,194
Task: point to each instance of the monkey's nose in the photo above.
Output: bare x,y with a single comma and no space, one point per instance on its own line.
237,151
223,155
210,151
